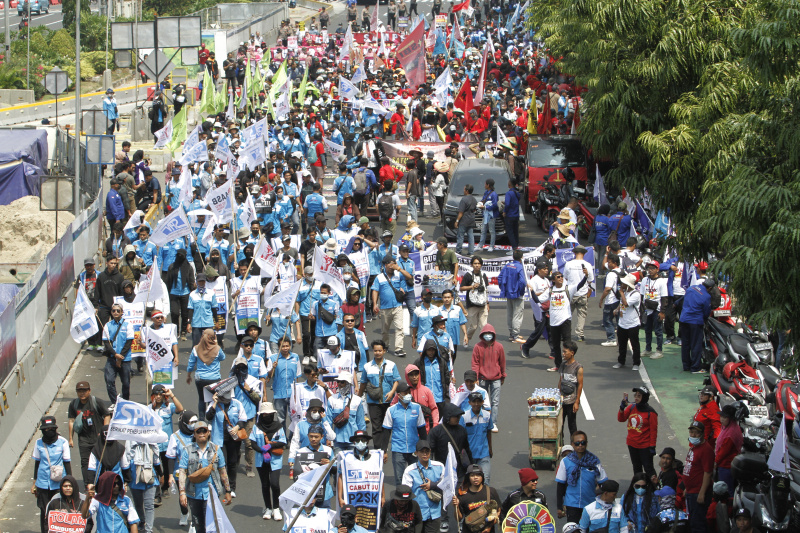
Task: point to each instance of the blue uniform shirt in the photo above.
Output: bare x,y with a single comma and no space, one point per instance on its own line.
286,370
403,421
204,371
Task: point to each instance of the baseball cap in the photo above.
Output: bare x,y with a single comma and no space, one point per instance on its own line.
200,424
403,492
470,375
667,451
666,490
315,402
333,341
159,389
697,424
442,240
743,511
363,220
424,445
47,422
83,385
570,527
88,261
609,485
345,376
347,508
387,233
402,386
474,469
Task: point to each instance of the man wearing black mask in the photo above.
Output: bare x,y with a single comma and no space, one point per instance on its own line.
108,287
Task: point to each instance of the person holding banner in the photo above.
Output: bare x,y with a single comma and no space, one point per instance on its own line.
51,456
202,465
87,415
345,412
69,500
117,341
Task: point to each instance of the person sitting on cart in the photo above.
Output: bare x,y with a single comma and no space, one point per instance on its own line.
528,480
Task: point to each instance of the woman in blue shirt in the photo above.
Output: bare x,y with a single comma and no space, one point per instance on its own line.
180,282
50,453
490,212
639,503
205,359
268,439
161,405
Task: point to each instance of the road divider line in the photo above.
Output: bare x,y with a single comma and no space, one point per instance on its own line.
649,384
587,411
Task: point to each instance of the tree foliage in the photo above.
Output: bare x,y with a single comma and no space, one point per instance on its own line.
697,102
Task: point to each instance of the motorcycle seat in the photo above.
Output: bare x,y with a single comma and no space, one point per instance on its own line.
771,377
725,385
794,452
723,330
739,343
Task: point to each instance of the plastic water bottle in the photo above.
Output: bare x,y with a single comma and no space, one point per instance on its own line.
172,488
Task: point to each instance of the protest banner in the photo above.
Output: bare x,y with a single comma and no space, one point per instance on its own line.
248,308
219,201
173,226
84,322
159,349
363,486
135,422
219,288
219,387
133,312
65,522
331,366
441,21
360,260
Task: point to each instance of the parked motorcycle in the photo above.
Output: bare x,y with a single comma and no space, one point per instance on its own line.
765,493
548,205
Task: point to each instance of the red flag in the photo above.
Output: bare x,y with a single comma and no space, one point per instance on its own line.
463,99
545,119
411,54
482,75
462,5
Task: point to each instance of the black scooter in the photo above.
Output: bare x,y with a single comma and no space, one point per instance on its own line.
765,493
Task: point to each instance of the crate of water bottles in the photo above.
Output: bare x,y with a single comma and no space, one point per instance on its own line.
438,282
544,402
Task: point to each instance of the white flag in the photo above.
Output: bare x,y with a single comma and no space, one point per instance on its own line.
84,323
779,456
208,227
248,214
219,202
283,300
192,139
223,150
326,271
450,477
136,422
215,504
198,152
347,89
443,82
299,491
370,102
336,150
254,154
382,47
185,184
135,221
347,44
164,135
150,288
599,188
174,226
282,106
230,113
159,350
501,137
359,75
264,256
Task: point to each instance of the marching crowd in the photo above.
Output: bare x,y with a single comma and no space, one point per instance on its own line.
268,398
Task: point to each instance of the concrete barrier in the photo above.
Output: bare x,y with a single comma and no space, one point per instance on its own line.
16,96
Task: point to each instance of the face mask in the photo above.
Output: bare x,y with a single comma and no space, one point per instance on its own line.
361,446
695,440
309,278
344,389
280,196
201,290
405,398
487,337
348,521
323,297
439,332
314,416
427,299
640,491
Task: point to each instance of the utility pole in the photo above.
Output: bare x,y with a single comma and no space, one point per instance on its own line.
76,190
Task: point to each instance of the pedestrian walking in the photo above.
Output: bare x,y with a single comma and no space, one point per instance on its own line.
51,461
87,415
489,362
512,282
570,385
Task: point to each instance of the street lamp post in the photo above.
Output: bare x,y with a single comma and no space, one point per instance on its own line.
28,69
76,184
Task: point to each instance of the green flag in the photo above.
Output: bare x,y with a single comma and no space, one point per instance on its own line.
179,130
258,81
208,102
268,104
220,101
302,94
278,80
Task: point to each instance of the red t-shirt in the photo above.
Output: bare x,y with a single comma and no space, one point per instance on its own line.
397,119
320,150
699,461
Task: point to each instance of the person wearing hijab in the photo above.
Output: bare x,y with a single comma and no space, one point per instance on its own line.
178,444
642,421
68,499
108,457
180,282
204,362
51,456
268,441
112,511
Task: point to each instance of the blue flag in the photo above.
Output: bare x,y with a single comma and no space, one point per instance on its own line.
643,219
439,48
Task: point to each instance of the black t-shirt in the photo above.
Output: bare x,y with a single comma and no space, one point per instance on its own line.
307,251
467,205
668,479
469,279
470,501
91,418
411,515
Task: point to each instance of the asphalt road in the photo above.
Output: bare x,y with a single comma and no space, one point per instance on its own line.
52,20
603,391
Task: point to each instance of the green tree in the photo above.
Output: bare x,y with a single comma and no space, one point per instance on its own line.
68,14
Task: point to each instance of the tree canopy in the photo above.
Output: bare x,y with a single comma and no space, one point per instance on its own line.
697,102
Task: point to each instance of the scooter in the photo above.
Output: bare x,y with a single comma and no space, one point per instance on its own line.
765,493
723,339
548,205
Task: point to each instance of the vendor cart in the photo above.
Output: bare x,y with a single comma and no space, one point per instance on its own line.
544,434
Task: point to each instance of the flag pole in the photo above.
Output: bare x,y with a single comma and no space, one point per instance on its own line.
311,494
213,507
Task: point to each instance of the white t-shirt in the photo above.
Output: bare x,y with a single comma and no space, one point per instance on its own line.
628,258
677,289
654,289
560,310
573,274
539,284
611,283
629,316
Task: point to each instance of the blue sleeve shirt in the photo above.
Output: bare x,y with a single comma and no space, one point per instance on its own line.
286,370
204,371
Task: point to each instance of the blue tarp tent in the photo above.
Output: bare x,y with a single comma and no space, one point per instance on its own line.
23,158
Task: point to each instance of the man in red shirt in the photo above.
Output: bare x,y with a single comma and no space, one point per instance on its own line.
317,167
398,122
698,470
708,415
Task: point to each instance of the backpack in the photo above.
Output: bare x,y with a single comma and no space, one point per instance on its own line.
311,156
386,207
360,180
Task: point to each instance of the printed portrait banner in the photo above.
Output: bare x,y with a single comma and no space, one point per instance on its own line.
248,308
219,288
397,151
363,485
134,314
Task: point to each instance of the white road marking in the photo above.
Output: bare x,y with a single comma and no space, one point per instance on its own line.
649,384
587,411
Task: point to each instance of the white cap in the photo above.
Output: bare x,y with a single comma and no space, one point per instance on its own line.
345,376
333,341
266,408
